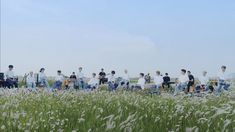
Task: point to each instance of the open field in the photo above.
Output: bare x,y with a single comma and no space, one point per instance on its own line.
80,111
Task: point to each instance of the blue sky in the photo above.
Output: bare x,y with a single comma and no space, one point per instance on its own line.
141,36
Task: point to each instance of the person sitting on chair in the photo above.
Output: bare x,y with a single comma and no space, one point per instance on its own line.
93,82
11,79
81,77
140,84
182,82
73,79
112,85
190,87
42,78
158,80
166,81
203,83
102,76
125,80
58,80
30,80
222,80
148,78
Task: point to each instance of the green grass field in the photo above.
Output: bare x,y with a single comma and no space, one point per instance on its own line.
114,112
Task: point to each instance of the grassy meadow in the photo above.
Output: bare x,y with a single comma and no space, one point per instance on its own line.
121,111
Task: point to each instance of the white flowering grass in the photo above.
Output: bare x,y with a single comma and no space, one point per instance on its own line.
77,111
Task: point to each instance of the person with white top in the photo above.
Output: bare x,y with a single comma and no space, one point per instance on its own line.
140,84
126,80
182,82
203,83
93,82
58,80
158,80
42,78
222,80
81,78
11,79
30,80
112,85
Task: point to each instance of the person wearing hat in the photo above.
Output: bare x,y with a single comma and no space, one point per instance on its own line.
11,79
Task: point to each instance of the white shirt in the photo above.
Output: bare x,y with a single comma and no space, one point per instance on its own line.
141,82
59,78
183,78
10,74
30,79
42,76
126,77
111,78
80,75
158,80
203,80
222,75
93,81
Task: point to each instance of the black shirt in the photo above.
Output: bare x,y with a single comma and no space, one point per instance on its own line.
102,74
73,77
191,80
166,79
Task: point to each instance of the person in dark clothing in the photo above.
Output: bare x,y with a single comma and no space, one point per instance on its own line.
73,80
190,83
102,76
166,80
147,78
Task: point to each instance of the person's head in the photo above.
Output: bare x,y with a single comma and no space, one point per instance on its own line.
10,67
141,75
223,68
42,70
166,74
102,69
125,71
59,72
113,72
158,73
80,69
93,75
73,73
204,73
31,73
183,71
189,72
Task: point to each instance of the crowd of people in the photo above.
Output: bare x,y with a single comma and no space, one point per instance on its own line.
185,83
